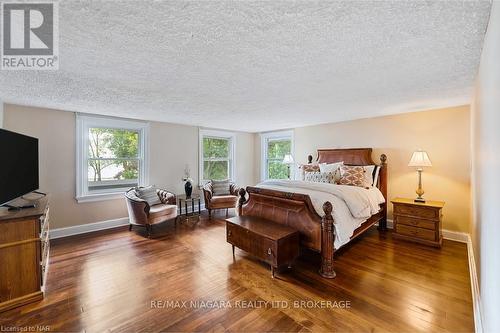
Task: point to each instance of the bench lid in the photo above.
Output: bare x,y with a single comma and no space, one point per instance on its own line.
263,226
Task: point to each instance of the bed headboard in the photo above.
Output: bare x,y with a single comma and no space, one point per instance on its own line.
355,156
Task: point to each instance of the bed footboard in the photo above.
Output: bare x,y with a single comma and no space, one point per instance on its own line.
295,210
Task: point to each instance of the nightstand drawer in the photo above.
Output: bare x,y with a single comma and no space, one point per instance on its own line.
414,222
416,232
423,212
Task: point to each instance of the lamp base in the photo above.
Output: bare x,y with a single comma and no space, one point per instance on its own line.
421,200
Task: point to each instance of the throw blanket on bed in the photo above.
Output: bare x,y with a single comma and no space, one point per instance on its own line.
352,205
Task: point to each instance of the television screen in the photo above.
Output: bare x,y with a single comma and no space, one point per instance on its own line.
19,165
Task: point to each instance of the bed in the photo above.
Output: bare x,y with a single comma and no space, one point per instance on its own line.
317,229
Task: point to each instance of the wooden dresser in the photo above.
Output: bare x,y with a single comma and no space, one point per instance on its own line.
418,222
24,254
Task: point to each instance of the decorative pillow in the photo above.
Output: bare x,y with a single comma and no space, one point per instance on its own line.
314,167
320,177
149,194
353,175
375,175
332,167
369,169
221,187
371,174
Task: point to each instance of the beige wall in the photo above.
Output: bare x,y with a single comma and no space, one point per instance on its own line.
485,124
171,148
246,173
444,134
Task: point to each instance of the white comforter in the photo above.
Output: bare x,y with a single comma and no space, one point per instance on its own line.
352,205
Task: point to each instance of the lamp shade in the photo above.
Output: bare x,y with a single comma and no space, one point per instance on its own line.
420,159
288,159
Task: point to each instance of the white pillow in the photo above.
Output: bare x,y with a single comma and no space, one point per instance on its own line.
149,194
375,178
371,174
332,167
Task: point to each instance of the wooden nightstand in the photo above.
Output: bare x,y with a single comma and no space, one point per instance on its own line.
418,222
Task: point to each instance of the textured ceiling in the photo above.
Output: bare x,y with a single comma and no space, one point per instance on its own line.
257,66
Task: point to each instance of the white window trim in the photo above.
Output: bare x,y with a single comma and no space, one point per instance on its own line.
264,137
217,134
83,123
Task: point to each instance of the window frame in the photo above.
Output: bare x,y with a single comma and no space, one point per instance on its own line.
274,136
217,134
83,124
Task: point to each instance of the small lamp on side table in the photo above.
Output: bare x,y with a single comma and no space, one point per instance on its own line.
420,159
288,160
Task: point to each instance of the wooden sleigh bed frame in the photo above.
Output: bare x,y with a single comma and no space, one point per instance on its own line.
296,210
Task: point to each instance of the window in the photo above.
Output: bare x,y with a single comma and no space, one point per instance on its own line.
111,157
274,147
216,155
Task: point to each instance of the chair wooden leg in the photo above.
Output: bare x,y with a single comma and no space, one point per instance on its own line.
227,212
130,227
209,214
149,228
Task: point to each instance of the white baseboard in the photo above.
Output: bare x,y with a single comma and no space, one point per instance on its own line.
89,227
102,225
476,295
455,236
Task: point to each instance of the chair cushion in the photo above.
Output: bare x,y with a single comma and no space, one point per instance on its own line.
224,200
149,194
162,210
220,187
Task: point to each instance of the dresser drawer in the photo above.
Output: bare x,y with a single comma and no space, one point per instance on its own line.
416,232
420,211
414,222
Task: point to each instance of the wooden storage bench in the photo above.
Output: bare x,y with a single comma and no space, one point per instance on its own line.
269,241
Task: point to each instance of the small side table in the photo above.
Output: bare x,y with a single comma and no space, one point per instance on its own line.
418,222
183,200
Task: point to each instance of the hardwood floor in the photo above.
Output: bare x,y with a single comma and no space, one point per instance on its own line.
113,280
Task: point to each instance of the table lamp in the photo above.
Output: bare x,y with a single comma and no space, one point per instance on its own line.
420,159
288,160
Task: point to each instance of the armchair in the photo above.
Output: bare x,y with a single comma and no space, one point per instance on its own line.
219,201
141,213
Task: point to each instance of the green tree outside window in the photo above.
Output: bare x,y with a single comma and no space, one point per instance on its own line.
113,147
276,151
216,158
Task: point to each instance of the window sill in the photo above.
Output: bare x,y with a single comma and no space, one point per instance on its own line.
100,197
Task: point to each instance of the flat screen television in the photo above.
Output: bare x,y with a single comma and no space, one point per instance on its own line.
19,165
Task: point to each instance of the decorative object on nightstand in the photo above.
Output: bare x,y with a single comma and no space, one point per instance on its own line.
188,185
418,222
420,159
288,160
